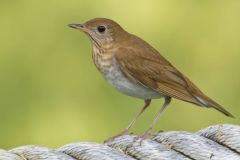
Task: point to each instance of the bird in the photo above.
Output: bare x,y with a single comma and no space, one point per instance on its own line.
135,68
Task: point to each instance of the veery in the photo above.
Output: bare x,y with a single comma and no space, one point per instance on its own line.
135,68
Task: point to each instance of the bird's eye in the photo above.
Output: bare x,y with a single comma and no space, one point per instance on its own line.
101,29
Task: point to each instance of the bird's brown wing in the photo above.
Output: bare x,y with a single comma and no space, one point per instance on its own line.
144,65
153,71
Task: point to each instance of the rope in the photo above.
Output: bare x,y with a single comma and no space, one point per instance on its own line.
219,142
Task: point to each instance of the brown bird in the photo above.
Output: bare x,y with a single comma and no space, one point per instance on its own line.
135,68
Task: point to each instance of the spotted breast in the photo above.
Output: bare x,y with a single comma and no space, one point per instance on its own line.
107,65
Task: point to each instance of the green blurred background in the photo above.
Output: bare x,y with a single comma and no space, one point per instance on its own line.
52,94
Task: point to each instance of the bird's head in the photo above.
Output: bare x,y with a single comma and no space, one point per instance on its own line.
102,32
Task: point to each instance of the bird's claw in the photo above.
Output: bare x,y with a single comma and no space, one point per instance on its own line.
125,132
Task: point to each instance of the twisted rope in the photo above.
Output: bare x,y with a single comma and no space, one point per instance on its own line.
220,142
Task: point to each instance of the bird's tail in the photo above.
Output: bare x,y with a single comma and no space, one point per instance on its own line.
208,102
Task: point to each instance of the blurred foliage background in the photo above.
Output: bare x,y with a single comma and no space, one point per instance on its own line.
52,94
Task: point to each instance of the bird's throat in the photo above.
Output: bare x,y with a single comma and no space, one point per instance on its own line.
103,58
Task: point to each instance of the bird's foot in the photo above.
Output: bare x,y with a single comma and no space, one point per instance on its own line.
125,132
148,133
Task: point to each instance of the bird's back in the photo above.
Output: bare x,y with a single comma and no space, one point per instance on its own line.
144,64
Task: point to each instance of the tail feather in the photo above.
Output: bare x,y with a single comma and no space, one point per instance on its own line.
202,100
206,101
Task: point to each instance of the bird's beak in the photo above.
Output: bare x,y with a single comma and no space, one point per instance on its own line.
77,26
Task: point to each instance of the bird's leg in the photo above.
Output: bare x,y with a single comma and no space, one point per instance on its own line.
125,131
147,103
149,130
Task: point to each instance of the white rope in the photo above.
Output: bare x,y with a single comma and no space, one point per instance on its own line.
220,142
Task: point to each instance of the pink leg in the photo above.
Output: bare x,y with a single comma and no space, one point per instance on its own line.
149,130
125,131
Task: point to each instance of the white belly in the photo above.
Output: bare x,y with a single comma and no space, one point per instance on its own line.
119,81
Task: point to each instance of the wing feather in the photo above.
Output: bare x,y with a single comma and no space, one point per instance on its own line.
144,65
150,70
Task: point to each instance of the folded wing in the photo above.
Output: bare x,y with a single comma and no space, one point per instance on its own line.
149,68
